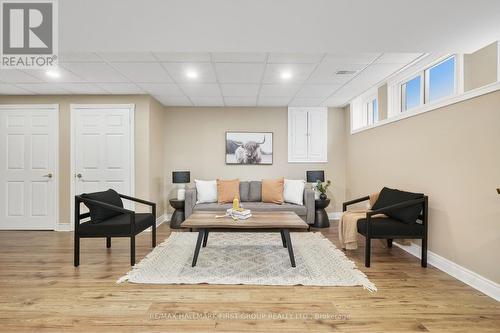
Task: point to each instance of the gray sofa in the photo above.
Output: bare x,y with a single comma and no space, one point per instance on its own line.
251,198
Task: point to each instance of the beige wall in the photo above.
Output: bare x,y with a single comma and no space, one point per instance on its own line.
453,155
195,141
480,67
142,139
157,155
382,102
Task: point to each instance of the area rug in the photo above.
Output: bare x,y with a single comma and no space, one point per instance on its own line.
248,258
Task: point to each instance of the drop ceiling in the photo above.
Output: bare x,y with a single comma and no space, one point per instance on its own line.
223,79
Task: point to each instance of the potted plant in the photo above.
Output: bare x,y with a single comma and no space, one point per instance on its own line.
322,187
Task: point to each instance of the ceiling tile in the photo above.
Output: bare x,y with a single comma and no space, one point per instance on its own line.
306,102
397,58
182,57
121,88
17,76
10,89
178,72
162,89
201,90
298,72
351,58
239,72
128,56
239,57
84,88
43,88
65,75
208,101
95,72
240,101
317,90
78,57
273,101
173,100
142,71
279,90
295,58
366,79
240,90
326,73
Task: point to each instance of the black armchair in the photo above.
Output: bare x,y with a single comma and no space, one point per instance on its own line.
397,224
109,219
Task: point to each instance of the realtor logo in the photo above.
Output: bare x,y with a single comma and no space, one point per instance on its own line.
29,34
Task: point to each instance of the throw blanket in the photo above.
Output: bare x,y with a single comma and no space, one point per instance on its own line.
348,225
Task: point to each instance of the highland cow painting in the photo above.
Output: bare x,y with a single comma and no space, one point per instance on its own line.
249,148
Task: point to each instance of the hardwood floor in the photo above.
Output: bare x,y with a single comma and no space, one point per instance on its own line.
41,291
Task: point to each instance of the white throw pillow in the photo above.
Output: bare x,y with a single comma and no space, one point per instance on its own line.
206,190
293,191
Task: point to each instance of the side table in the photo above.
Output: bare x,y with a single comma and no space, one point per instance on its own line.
178,215
321,217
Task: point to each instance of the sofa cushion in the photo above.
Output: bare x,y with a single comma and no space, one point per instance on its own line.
99,214
381,226
227,190
206,190
389,196
272,190
244,191
293,191
254,206
255,193
117,226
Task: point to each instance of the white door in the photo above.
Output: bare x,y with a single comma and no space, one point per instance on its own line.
102,148
28,166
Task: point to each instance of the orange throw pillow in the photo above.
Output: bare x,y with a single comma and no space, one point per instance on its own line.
272,190
227,190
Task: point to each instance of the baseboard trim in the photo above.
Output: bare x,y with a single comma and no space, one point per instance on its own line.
64,227
160,220
476,281
334,215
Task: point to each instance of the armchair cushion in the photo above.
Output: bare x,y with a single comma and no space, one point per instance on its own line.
100,214
383,226
117,225
389,196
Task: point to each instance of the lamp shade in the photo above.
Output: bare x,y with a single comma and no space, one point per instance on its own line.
181,177
314,176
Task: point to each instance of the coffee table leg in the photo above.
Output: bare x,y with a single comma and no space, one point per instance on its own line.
205,238
283,238
201,232
289,246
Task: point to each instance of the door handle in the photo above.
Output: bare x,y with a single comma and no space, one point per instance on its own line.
78,175
49,175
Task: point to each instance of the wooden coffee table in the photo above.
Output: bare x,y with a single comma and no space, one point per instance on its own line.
206,221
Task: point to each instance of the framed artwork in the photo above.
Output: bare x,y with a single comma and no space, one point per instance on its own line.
254,148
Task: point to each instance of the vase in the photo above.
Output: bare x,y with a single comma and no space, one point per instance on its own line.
322,196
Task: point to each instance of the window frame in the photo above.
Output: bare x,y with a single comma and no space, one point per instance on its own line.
368,109
427,77
359,111
402,92
421,68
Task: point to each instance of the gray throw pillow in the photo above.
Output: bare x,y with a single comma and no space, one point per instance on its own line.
244,191
255,191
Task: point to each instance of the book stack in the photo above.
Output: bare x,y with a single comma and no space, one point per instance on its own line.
239,214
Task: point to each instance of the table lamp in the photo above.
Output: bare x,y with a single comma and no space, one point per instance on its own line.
181,177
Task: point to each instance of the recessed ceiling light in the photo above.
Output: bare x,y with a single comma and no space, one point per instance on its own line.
285,75
53,73
191,74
